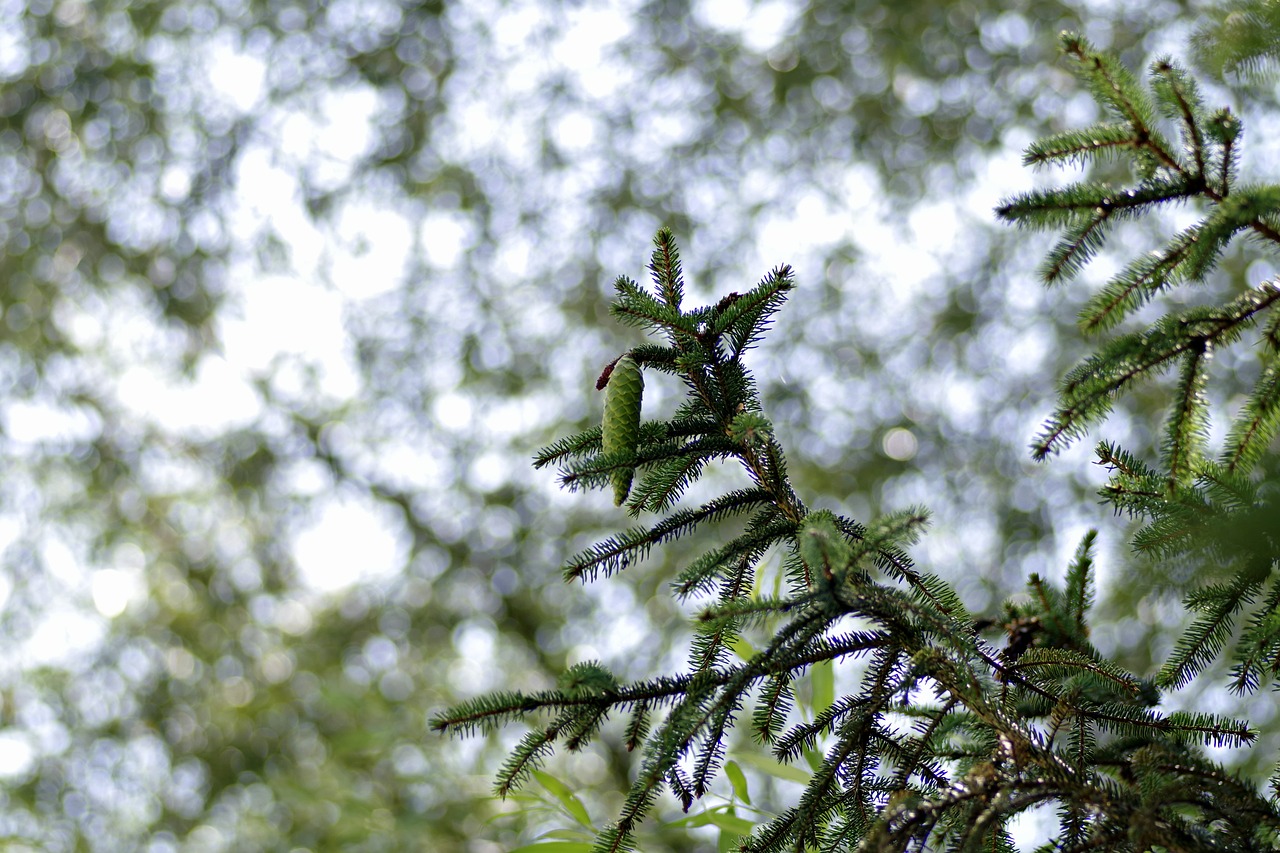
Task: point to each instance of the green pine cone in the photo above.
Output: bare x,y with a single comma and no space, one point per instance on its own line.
620,429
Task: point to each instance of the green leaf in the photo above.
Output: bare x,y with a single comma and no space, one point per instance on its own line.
738,779
822,678
743,649
774,768
565,795
729,842
722,817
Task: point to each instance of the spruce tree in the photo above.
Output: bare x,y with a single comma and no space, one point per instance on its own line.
960,723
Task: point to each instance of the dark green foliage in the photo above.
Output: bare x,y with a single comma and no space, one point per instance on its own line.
1201,170
1218,520
1226,527
1241,38
957,725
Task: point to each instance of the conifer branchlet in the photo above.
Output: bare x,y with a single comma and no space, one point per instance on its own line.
954,726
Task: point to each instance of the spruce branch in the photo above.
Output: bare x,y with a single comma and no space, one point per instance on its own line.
580,444
1241,38
1079,585
616,553
1178,96
1187,427
1089,389
1086,204
1258,648
1217,604
665,269
1203,173
744,319
1077,147
945,739
710,647
1142,279
1113,85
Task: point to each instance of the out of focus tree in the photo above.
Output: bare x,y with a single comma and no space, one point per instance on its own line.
273,267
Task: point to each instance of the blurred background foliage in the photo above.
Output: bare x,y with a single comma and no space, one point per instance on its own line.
295,285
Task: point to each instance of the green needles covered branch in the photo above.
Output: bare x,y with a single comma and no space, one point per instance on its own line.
955,725
1218,514
1200,169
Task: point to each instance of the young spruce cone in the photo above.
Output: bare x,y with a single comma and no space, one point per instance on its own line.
620,429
